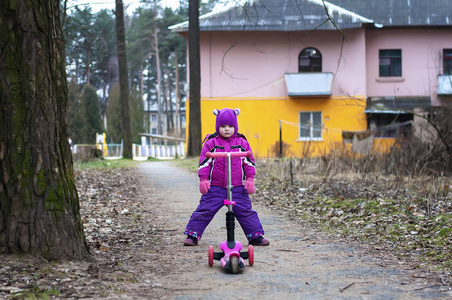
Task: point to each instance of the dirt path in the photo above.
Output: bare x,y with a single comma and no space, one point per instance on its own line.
300,263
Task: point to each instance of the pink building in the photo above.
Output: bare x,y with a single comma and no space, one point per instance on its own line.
291,69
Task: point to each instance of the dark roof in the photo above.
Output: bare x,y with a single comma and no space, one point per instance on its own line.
402,12
296,15
277,15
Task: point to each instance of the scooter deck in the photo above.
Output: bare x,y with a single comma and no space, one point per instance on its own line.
220,255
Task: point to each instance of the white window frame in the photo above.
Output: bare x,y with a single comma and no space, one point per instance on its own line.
311,131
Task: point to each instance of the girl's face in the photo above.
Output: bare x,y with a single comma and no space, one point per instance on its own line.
226,131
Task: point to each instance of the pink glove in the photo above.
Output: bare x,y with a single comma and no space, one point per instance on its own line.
204,185
249,185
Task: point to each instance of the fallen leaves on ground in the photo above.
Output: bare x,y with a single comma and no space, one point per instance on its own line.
119,230
405,217
128,244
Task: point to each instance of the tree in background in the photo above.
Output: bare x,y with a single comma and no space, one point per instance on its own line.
136,116
114,125
91,110
84,113
123,81
156,78
194,130
114,121
75,113
106,51
39,205
90,48
156,60
173,54
144,60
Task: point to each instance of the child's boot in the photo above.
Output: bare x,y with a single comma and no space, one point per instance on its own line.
191,241
259,241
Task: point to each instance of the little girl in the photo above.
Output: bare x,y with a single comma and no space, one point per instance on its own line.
213,178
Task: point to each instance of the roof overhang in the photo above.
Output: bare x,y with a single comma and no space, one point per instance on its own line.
382,111
396,105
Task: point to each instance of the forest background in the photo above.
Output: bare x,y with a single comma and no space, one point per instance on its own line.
156,65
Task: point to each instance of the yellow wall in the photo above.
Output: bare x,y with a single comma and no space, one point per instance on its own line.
259,117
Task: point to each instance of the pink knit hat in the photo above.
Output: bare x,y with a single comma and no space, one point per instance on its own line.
226,116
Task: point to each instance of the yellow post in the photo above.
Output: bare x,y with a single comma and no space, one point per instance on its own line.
105,150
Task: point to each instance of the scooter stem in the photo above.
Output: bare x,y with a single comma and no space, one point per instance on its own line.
230,227
229,181
230,217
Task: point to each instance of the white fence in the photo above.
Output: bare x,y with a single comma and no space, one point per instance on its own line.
159,151
139,151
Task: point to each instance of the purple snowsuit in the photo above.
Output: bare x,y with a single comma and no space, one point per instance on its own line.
215,170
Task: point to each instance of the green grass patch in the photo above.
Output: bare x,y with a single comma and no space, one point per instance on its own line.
36,293
190,164
106,164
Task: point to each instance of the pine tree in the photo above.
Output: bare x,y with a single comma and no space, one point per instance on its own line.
136,116
76,119
93,117
114,121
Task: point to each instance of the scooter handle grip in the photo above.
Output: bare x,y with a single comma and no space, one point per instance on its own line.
225,154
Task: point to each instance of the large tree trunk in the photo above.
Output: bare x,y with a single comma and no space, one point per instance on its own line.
123,81
194,129
39,206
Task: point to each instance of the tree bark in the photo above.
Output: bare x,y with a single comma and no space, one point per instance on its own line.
39,205
159,75
178,97
171,111
194,129
168,104
123,81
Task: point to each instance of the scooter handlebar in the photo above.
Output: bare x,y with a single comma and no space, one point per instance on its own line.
225,154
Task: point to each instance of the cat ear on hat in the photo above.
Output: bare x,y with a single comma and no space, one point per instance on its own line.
216,112
237,111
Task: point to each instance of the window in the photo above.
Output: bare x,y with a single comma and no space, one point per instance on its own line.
447,61
154,131
311,125
310,60
390,62
153,118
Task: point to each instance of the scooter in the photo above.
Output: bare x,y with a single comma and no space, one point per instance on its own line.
230,257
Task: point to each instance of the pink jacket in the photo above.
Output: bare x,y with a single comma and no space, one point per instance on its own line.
216,169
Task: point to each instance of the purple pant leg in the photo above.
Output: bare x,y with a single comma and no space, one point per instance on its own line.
209,205
247,217
213,201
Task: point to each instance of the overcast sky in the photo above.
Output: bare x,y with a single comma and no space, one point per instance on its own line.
131,5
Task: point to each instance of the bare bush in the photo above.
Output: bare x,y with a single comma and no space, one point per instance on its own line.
275,149
424,155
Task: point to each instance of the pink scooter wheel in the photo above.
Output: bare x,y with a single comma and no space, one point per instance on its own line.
210,256
250,255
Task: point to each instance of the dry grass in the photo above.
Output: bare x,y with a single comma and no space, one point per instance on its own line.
358,198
